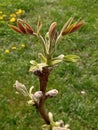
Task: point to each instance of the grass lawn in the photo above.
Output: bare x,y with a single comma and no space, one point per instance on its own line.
77,101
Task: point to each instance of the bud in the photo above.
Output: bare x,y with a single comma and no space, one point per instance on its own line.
38,94
27,26
20,88
51,93
39,26
66,25
21,26
77,26
15,29
52,29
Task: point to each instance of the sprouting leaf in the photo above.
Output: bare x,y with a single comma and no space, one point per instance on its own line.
66,25
51,119
37,67
21,26
52,30
15,29
33,68
33,62
42,57
69,29
39,25
71,58
57,60
41,66
21,88
52,37
77,26
47,42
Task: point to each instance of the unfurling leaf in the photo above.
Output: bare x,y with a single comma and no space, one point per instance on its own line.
21,26
20,88
66,25
39,26
15,29
42,57
52,37
71,58
57,60
77,26
52,30
70,28
37,67
28,27
33,62
51,118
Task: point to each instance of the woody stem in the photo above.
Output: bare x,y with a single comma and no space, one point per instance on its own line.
43,80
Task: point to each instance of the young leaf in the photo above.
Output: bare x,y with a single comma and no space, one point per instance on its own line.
42,57
39,26
66,25
21,26
57,60
71,58
15,29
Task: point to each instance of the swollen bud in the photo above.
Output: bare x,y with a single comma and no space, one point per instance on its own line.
20,88
51,93
38,94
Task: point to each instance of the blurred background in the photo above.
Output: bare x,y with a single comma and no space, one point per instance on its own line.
77,101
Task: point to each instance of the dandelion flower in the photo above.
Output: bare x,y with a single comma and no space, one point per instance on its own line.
12,15
4,15
7,51
20,11
13,19
1,18
1,12
14,48
22,45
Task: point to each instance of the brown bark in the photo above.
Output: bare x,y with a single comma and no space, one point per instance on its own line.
43,79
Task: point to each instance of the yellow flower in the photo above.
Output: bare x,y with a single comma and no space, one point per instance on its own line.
7,51
1,12
4,15
13,19
12,15
1,18
20,11
23,45
14,48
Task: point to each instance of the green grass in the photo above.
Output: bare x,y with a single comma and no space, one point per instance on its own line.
80,111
